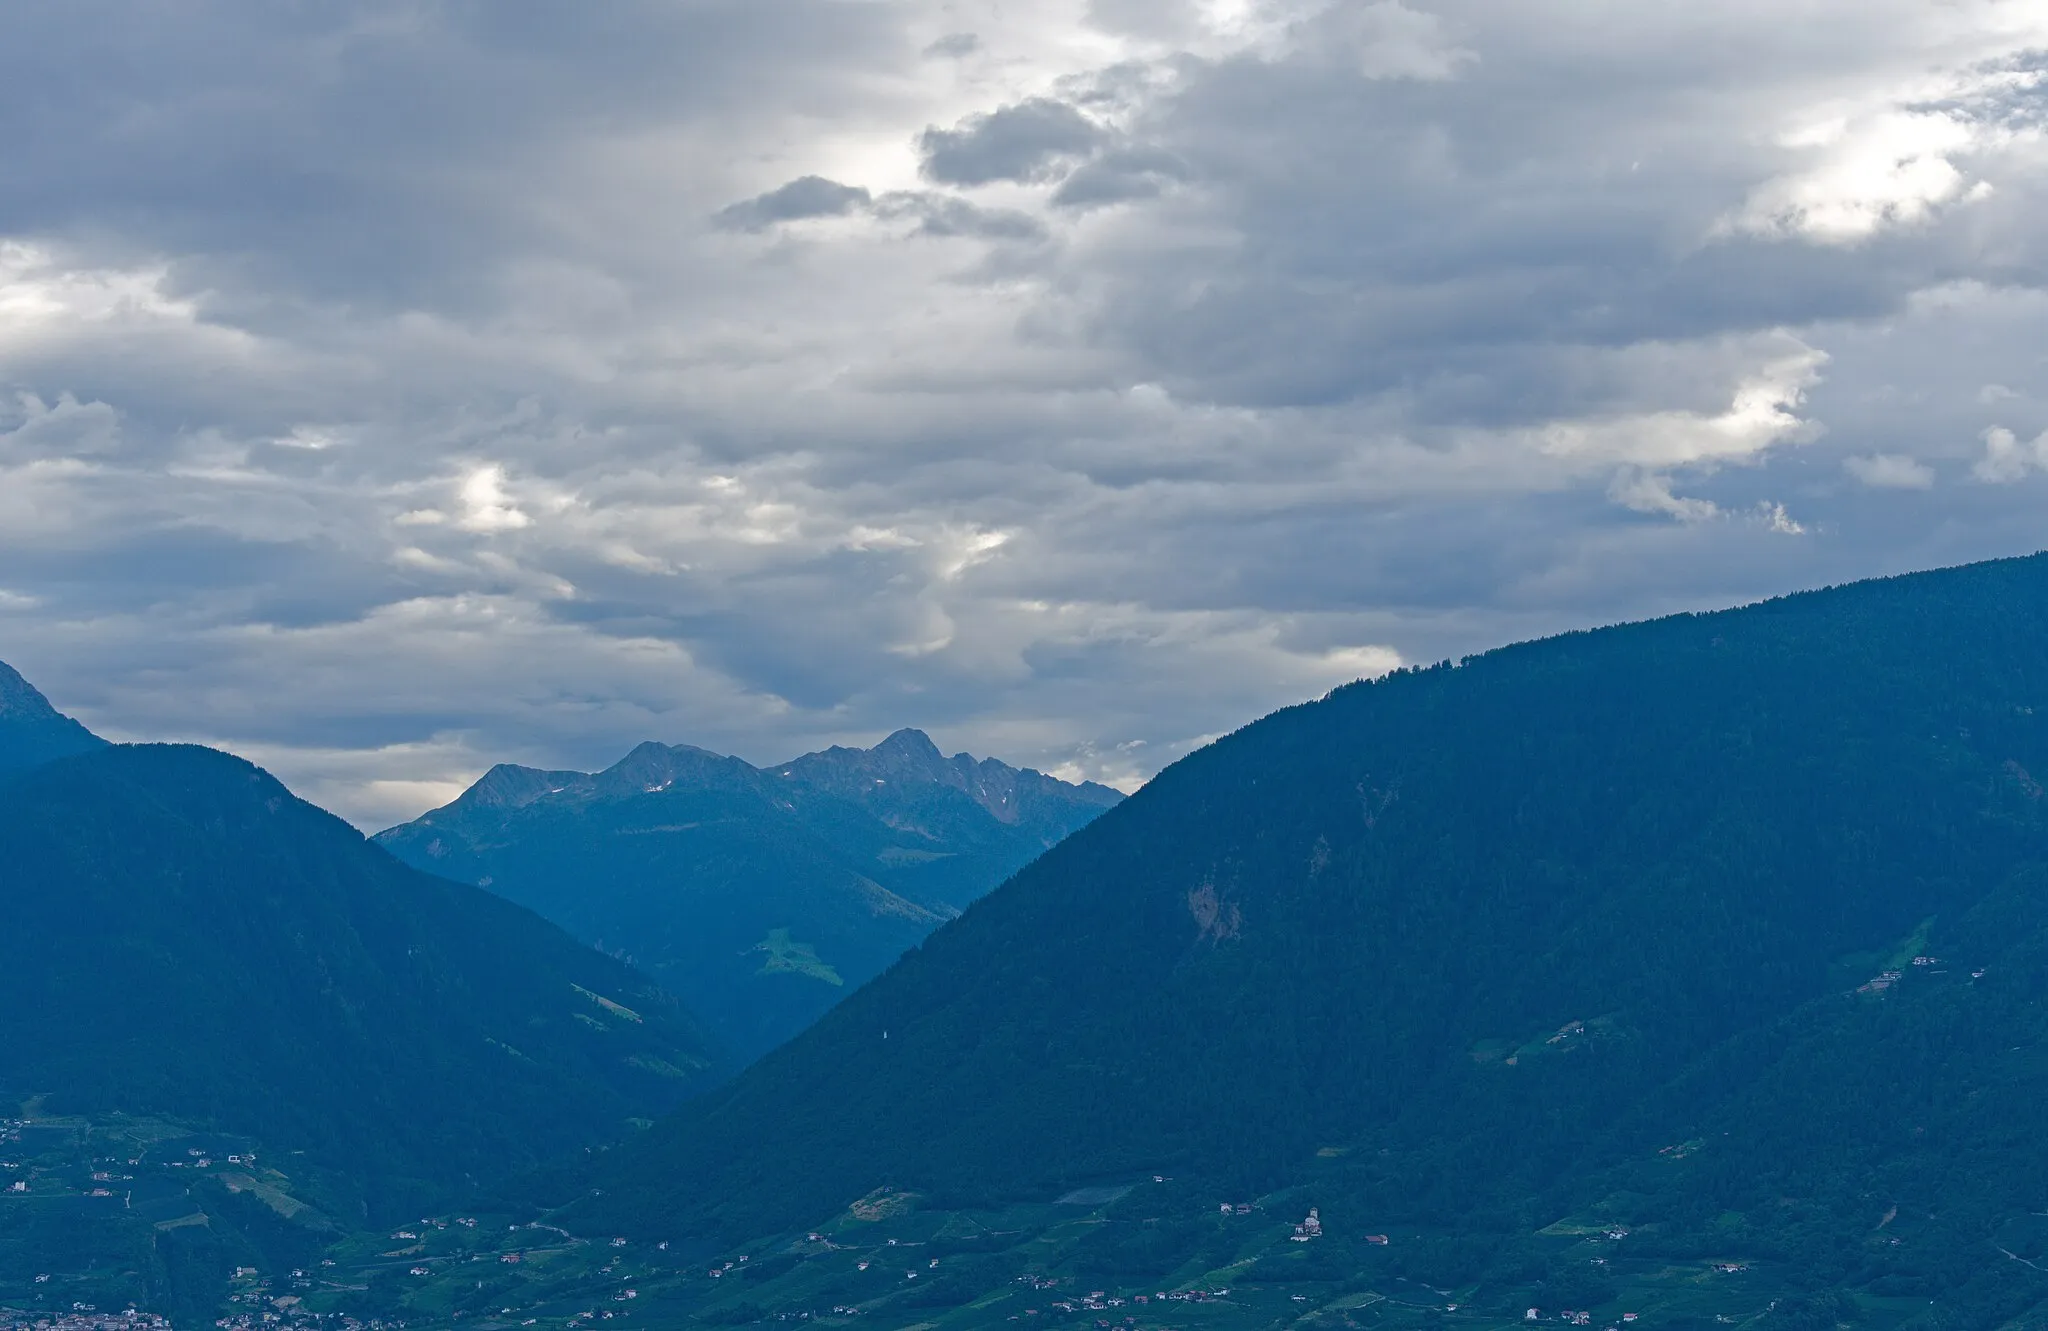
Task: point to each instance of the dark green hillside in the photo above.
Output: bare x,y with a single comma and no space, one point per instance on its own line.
32,731
186,939
760,897
1454,943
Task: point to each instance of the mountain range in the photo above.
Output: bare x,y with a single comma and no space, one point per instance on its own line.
1724,932
760,897
1684,973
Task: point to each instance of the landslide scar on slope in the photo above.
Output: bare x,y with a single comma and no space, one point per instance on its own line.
1216,918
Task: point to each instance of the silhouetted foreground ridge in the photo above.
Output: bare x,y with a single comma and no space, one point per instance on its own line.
203,945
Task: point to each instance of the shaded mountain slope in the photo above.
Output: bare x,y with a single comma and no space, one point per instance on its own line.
31,730
1457,943
188,939
758,896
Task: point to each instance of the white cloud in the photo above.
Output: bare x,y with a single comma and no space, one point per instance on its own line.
1763,412
1774,518
1895,161
1647,492
1890,471
486,507
2007,458
1895,169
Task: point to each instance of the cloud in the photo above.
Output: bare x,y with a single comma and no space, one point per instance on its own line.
802,198
1894,169
1393,41
2007,458
945,216
486,507
1023,142
1890,471
1123,175
1774,518
1763,413
392,391
1899,161
1647,492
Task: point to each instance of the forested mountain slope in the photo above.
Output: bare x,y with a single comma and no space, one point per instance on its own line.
759,896
32,731
1478,945
187,939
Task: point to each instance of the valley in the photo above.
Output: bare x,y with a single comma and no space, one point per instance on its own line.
1684,974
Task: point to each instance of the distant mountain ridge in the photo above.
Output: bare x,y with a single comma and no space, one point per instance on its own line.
759,896
31,730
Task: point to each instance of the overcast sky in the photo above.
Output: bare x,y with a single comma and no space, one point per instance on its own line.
390,389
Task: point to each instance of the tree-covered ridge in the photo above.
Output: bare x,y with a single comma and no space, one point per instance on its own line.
190,940
760,896
1455,945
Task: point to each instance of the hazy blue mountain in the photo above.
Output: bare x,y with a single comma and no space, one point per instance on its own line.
758,896
1726,931
187,939
31,730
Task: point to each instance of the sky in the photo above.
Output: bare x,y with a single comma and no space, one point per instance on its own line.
392,389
